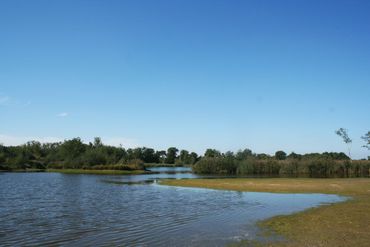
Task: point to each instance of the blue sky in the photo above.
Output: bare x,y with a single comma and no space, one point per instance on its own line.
264,75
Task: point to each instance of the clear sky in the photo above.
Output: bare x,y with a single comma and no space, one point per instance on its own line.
264,75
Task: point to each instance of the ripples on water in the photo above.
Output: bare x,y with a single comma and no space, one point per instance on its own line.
100,210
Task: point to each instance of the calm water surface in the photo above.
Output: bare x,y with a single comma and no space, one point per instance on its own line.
101,210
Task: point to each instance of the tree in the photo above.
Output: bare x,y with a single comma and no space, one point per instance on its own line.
212,153
280,155
194,157
97,142
293,155
229,155
171,155
184,154
366,138
343,133
242,155
71,151
160,156
263,156
2,155
186,158
148,155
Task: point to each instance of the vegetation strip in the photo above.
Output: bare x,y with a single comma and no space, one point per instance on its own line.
340,224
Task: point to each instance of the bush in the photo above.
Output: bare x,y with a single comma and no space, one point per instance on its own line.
215,165
253,166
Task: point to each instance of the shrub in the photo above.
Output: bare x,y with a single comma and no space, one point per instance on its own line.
215,165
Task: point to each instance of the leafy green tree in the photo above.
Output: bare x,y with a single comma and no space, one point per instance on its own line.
280,155
97,142
244,154
334,156
366,138
93,157
161,156
229,155
343,133
183,155
211,153
171,155
185,158
148,155
71,151
262,156
2,158
194,157
293,155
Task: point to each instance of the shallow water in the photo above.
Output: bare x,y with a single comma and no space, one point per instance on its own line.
103,210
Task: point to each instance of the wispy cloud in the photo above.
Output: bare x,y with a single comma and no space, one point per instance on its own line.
4,100
62,114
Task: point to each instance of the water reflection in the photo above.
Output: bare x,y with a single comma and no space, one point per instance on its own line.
99,210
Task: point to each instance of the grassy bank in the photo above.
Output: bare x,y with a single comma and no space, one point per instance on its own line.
101,172
341,224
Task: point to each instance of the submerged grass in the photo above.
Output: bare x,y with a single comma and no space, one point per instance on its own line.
99,172
341,224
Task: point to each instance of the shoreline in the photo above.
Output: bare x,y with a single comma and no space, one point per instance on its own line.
337,224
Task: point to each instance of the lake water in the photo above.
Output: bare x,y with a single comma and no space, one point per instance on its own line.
102,210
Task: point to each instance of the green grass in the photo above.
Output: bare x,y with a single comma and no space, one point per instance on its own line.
99,172
341,224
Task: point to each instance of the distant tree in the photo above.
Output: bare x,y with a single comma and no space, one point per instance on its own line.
244,154
262,156
97,142
184,154
186,158
148,155
212,153
280,155
343,133
293,155
94,157
34,149
366,138
335,156
160,156
137,154
71,151
194,157
171,155
229,155
2,157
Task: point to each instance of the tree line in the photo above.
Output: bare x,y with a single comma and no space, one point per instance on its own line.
313,164
247,163
74,153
